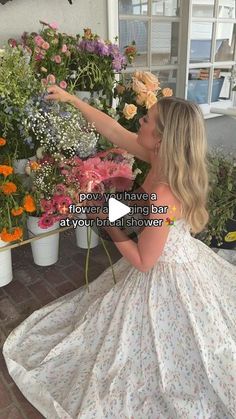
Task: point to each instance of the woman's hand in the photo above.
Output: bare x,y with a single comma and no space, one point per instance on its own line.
56,93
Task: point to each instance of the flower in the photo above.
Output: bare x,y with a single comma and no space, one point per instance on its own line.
138,86
64,48
141,98
167,92
17,211
29,204
45,45
47,205
2,142
17,234
57,59
151,99
129,110
63,84
46,221
6,170
151,81
38,40
8,188
51,79
54,25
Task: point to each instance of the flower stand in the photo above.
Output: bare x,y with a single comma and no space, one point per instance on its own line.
6,274
46,250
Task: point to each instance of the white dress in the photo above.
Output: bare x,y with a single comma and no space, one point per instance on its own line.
157,345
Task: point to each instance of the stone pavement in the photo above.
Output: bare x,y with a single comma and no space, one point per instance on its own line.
33,287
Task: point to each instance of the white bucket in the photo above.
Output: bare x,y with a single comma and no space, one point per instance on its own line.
46,250
6,274
83,233
20,164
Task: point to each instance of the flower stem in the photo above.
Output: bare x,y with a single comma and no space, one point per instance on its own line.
89,232
109,258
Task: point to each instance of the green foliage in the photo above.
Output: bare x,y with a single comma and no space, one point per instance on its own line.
222,196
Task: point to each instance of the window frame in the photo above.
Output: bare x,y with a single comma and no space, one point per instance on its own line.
183,66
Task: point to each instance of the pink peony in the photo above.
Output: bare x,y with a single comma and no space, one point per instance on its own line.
38,40
63,84
46,221
60,189
57,59
64,48
51,79
45,45
53,25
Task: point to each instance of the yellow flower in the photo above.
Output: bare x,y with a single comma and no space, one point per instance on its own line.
129,110
151,99
151,82
138,87
167,92
141,98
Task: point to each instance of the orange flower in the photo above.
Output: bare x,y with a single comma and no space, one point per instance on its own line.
29,204
167,92
8,188
17,211
6,170
2,142
34,165
17,234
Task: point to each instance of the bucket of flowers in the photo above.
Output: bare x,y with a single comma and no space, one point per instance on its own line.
135,96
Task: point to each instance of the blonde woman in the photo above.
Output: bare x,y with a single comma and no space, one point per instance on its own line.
161,343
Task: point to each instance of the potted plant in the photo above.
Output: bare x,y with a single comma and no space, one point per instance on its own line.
135,97
221,229
17,85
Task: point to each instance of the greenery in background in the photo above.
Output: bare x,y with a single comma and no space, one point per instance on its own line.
222,196
17,85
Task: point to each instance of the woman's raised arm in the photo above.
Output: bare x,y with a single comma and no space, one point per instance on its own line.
105,125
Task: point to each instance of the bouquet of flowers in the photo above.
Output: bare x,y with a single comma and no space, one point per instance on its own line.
135,96
60,129
94,65
14,203
50,53
108,171
17,84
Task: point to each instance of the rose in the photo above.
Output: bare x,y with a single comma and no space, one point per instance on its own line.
151,82
141,98
138,87
129,110
53,25
63,84
57,59
51,79
151,99
167,92
45,45
38,40
64,48
138,75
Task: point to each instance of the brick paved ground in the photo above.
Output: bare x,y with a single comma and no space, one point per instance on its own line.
33,287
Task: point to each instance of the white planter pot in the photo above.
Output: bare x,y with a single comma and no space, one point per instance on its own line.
46,250
6,275
82,235
19,164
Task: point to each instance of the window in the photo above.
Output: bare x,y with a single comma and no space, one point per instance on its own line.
188,44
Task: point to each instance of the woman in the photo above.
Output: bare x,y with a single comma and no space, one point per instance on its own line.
161,343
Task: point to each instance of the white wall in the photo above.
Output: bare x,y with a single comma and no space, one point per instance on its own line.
18,16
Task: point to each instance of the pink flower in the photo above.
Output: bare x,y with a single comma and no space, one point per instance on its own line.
44,82
46,221
38,40
38,57
57,59
64,48
60,189
51,79
45,45
63,84
53,25
47,205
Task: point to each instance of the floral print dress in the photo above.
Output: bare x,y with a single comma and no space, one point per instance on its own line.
156,345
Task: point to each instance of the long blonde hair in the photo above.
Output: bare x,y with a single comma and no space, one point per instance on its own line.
182,157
